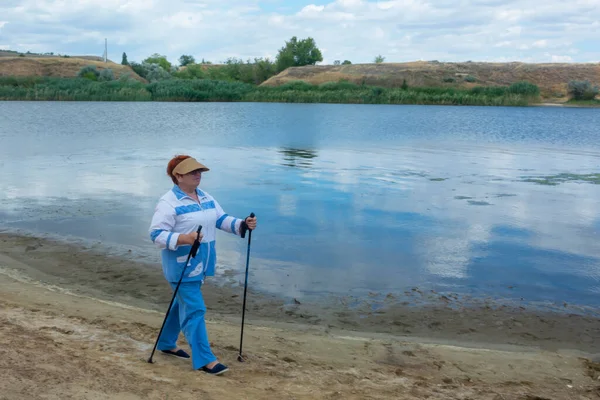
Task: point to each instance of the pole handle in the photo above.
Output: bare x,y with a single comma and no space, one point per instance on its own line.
244,228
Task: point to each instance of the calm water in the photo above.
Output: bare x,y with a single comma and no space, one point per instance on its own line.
350,199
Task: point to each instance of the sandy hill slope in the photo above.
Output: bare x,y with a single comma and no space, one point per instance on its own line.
551,78
57,67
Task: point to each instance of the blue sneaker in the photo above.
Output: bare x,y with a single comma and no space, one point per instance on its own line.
216,370
179,353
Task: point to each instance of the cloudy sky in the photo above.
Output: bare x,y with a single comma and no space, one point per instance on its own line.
357,30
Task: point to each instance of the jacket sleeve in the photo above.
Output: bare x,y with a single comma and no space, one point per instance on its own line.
226,222
161,228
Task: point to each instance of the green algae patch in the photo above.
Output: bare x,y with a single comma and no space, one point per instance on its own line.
553,180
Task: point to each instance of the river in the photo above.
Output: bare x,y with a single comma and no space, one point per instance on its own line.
365,200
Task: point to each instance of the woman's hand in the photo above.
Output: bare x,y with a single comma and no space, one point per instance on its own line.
189,238
251,222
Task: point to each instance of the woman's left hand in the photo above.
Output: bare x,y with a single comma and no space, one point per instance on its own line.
251,222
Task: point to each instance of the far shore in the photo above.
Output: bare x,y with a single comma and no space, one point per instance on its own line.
568,105
559,105
518,94
541,104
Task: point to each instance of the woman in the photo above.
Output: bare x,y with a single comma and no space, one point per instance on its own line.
173,229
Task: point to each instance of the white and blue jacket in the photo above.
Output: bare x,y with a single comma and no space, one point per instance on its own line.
176,213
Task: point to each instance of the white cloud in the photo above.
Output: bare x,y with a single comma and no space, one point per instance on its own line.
311,9
562,59
401,30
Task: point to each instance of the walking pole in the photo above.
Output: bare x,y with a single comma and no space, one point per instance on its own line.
193,252
240,357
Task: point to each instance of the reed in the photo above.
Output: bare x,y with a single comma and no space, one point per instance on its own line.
206,90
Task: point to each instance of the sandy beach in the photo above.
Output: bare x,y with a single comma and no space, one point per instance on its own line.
77,323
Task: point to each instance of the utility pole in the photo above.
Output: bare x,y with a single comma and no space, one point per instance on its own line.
105,51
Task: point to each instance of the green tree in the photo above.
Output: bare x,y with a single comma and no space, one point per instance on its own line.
346,62
139,69
379,59
160,60
264,68
186,60
235,69
124,60
297,53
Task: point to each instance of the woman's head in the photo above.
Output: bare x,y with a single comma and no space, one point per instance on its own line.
185,170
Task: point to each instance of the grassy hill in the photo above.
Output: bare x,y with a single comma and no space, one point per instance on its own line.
552,79
12,53
54,66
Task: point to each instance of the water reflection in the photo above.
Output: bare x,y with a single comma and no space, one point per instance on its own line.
338,219
300,158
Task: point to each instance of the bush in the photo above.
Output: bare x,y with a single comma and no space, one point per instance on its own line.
377,91
524,88
139,69
494,91
106,75
156,73
20,81
470,78
198,90
582,90
296,85
89,72
449,80
341,85
126,77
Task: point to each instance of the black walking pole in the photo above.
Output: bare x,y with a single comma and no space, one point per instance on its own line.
240,358
193,252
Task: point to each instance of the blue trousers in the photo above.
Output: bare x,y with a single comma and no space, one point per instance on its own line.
187,316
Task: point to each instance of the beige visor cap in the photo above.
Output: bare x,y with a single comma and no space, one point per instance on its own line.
188,165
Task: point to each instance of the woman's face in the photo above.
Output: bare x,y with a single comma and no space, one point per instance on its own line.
191,179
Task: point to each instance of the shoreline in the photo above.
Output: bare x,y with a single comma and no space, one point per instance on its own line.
543,104
87,269
78,323
566,105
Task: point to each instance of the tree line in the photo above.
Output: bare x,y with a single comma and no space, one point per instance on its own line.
295,53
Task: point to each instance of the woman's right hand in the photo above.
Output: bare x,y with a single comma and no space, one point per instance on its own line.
189,238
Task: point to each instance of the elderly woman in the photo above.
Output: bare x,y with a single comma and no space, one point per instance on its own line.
173,229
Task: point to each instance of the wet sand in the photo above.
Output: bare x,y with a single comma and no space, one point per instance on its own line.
77,323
